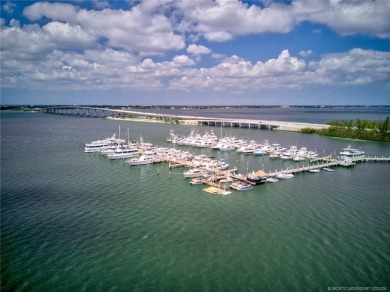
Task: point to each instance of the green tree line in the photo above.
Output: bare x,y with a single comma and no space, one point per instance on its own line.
359,129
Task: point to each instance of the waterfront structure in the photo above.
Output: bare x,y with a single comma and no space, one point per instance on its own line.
218,122
214,173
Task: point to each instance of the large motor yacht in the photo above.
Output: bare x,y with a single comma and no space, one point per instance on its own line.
353,154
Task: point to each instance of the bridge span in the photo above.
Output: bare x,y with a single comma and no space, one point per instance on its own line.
218,122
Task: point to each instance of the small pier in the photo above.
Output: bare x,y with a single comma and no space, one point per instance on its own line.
329,162
377,159
301,169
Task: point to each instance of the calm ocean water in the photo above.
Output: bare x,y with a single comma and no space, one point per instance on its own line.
289,114
72,221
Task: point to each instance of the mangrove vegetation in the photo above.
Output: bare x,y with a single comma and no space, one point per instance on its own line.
359,129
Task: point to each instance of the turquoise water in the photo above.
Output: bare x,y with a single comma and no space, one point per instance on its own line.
73,221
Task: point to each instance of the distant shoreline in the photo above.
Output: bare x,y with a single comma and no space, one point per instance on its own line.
367,130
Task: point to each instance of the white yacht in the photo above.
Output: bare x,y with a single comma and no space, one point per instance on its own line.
196,181
353,154
217,165
346,161
266,147
142,160
110,150
285,175
99,145
272,179
118,148
274,154
123,152
299,158
311,154
195,172
277,148
226,147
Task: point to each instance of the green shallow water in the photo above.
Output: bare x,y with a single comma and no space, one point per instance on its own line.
72,221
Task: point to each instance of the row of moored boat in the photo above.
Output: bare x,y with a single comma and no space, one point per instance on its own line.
210,170
229,143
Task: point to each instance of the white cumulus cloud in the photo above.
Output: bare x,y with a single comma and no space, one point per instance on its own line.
68,36
347,17
144,46
55,11
222,20
132,30
183,60
354,67
198,50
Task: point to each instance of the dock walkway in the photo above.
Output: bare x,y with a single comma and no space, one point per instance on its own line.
316,163
377,159
329,162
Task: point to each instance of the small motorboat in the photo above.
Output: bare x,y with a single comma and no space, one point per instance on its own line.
227,148
328,169
241,186
196,181
272,179
315,170
142,160
285,175
226,180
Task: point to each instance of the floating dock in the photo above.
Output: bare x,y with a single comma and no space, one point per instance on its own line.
216,191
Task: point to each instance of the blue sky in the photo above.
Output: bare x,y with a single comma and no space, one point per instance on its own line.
190,52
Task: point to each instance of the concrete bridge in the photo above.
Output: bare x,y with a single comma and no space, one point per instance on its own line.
106,112
207,121
95,112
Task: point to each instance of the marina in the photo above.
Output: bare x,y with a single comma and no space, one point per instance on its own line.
215,173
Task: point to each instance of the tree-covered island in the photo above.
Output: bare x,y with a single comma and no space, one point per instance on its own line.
359,129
